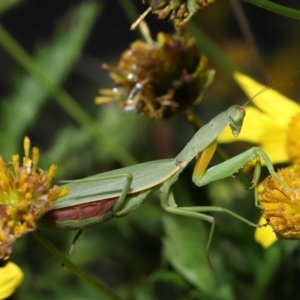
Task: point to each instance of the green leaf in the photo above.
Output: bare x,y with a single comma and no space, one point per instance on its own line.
8,4
267,266
54,59
276,8
184,248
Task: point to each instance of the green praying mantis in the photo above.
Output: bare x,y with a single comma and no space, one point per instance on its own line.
116,193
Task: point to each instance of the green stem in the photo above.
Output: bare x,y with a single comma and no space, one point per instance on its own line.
212,51
77,271
9,4
249,39
129,9
63,98
193,119
276,8
131,13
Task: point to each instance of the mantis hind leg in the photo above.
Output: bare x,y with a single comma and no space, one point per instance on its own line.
169,205
124,192
118,205
76,237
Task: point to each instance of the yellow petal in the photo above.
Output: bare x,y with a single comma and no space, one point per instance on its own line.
274,144
276,156
11,277
265,235
280,108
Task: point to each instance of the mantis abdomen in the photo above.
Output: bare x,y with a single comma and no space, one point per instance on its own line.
79,216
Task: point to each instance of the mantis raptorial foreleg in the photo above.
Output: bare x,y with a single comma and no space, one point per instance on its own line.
220,171
198,212
233,165
203,159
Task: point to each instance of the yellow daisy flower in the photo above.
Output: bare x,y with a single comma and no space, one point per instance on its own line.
265,235
280,203
272,125
26,193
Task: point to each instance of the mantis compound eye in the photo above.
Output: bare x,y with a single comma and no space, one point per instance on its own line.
236,115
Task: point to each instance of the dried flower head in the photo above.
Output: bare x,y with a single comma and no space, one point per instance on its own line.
182,10
159,78
280,203
26,193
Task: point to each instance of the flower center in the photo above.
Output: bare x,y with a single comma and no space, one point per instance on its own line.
26,193
293,139
280,203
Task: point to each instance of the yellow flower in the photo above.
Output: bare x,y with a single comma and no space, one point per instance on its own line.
26,193
265,235
280,202
11,277
274,125
159,78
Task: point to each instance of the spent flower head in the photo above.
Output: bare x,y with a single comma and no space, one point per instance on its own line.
158,79
181,10
26,193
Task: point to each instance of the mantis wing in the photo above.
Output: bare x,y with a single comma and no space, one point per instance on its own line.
110,184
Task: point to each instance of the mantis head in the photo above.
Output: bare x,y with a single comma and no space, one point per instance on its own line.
236,115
